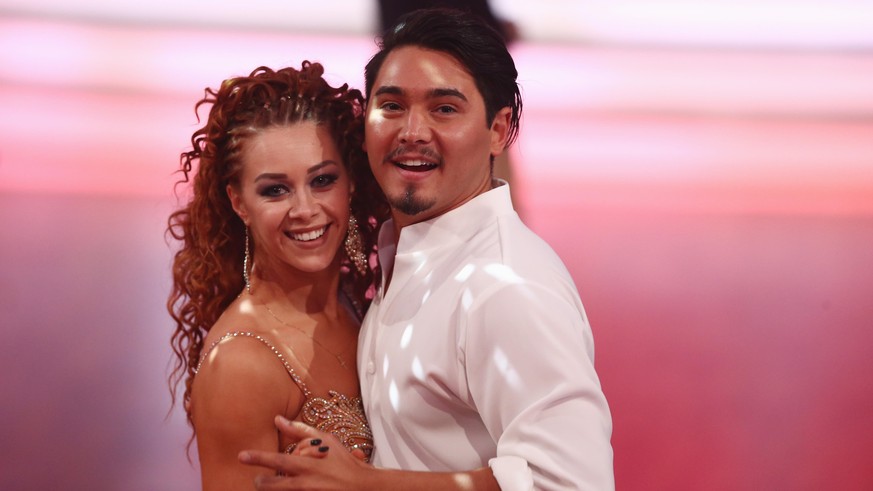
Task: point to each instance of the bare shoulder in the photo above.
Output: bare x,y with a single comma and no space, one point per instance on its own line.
240,387
239,354
238,316
240,376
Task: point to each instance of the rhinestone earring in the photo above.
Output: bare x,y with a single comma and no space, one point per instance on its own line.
354,247
246,262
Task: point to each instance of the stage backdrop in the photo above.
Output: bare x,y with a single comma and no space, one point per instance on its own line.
704,168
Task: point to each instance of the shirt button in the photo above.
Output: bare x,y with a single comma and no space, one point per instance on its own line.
371,367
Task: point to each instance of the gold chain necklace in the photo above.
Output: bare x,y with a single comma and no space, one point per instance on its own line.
338,357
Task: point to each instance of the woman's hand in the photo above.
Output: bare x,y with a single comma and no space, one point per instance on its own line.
319,461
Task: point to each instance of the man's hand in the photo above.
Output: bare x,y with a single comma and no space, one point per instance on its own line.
319,462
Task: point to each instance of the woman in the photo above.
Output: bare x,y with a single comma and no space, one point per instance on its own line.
272,276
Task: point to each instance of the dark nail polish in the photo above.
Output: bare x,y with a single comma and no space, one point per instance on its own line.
315,441
323,449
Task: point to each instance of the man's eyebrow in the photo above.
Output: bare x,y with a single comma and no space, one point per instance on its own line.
389,89
432,94
447,92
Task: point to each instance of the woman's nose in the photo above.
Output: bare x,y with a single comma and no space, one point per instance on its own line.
303,205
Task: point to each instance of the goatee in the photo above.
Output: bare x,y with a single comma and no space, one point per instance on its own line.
410,204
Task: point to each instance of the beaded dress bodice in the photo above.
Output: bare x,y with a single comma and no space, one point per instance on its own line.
338,414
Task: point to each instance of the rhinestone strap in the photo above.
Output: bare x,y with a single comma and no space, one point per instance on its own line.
296,378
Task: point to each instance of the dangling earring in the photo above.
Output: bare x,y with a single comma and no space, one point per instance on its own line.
354,247
246,261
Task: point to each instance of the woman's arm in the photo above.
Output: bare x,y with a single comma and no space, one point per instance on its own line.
238,390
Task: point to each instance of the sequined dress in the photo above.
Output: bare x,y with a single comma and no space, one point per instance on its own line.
338,414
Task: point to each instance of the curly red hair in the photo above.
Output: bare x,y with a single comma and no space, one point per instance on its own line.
208,267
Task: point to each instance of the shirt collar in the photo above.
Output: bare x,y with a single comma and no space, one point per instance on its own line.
457,225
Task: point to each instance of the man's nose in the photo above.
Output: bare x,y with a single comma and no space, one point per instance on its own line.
416,128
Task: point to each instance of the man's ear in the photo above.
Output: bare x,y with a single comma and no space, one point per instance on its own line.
364,143
500,131
236,202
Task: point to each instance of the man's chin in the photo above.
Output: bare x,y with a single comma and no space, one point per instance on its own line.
410,204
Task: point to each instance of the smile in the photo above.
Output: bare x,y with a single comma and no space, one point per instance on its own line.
307,236
416,165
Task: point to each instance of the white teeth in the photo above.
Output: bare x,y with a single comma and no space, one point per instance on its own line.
307,236
415,163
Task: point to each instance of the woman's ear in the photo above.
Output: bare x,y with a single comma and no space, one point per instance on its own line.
237,203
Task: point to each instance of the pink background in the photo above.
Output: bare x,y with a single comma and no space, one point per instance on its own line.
708,181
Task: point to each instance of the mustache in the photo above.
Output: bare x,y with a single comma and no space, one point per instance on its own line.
426,152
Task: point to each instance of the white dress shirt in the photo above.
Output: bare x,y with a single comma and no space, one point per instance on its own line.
479,353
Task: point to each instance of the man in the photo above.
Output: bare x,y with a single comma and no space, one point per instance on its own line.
476,353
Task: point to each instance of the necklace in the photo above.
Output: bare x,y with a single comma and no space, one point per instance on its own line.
338,357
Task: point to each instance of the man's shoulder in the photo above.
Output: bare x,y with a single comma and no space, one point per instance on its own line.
510,250
521,247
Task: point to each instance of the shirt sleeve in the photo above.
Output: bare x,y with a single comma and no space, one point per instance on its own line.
529,358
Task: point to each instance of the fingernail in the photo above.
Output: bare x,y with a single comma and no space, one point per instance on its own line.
283,420
315,441
244,457
323,449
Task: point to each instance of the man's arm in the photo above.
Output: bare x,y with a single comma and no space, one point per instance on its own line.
529,359
340,470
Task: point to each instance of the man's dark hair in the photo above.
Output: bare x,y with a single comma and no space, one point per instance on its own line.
475,44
